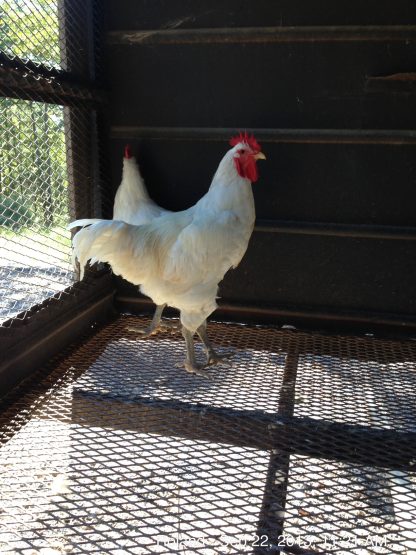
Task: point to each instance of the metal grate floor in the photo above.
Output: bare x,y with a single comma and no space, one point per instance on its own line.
307,444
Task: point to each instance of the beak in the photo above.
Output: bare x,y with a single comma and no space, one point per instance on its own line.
259,156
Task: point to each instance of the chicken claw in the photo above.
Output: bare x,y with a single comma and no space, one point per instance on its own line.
215,358
190,363
145,332
170,327
212,356
162,327
156,325
194,368
197,369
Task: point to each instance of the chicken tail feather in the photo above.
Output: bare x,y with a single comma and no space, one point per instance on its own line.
83,223
102,241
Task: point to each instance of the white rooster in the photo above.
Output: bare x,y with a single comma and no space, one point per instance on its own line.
179,258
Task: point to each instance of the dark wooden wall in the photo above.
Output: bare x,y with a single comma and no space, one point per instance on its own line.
329,88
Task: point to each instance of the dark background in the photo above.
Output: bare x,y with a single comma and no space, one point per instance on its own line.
337,195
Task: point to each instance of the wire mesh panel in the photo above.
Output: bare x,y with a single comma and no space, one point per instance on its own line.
49,151
50,34
34,205
30,31
113,449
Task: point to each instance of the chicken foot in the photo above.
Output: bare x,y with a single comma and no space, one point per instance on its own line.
156,325
212,356
190,363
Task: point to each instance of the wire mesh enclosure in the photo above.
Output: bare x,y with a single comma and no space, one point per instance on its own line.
48,146
306,445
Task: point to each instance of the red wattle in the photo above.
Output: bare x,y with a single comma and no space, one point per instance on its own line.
247,168
251,170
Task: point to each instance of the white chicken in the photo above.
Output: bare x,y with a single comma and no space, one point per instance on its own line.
132,203
179,258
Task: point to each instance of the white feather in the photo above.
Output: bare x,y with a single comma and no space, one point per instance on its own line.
179,258
83,223
132,203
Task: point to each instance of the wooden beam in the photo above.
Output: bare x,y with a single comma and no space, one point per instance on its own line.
245,35
301,136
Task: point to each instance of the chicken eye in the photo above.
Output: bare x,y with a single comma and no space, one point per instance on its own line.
241,151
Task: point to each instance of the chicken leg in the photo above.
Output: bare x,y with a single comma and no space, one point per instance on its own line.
190,363
212,356
155,325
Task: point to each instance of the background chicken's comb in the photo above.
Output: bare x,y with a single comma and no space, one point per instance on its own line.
245,138
127,152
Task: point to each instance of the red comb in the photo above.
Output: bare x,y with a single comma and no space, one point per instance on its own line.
127,152
245,138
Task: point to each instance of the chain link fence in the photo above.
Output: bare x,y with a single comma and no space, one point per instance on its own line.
34,205
48,145
30,31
